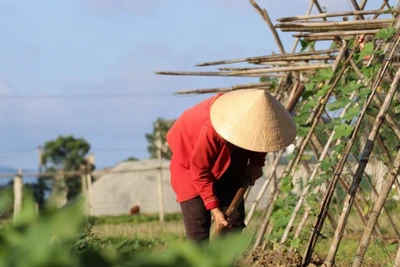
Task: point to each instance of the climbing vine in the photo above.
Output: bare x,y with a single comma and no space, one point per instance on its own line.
352,90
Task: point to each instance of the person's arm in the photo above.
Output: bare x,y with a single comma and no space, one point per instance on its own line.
204,155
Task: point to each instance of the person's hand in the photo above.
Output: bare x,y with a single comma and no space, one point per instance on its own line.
219,218
253,173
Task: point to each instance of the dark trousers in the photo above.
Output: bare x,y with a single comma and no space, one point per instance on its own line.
197,219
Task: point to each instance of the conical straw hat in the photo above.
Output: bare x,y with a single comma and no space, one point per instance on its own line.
254,120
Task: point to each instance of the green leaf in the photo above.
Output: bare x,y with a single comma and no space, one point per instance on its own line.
368,50
326,165
336,105
396,109
287,185
303,131
342,131
311,102
350,87
325,74
364,93
322,179
352,112
385,33
304,45
295,242
322,92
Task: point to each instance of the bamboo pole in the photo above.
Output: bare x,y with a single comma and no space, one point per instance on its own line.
345,186
339,57
308,13
265,219
225,89
327,28
393,125
316,190
333,14
362,5
389,119
396,130
247,193
280,63
397,260
336,34
328,38
388,159
283,69
375,212
260,62
315,116
296,58
265,16
357,8
339,167
302,144
312,176
211,73
335,26
276,57
358,175
238,69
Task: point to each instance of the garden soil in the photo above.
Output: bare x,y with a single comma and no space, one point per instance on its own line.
261,258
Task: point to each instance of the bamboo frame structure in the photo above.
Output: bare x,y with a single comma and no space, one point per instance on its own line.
283,72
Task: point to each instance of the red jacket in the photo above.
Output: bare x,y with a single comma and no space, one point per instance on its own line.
199,155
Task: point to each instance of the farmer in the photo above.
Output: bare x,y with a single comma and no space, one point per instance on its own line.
215,144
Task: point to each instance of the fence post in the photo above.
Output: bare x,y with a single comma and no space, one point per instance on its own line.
84,189
160,177
90,161
89,193
17,194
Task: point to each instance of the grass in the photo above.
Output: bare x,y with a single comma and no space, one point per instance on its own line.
168,231
147,234
379,253
138,218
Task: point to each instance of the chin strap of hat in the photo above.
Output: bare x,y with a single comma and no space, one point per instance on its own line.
218,229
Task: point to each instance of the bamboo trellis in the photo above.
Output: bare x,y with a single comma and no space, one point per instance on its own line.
284,73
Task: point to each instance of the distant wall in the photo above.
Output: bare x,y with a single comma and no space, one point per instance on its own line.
117,193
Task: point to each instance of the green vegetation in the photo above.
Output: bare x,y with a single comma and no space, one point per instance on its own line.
63,237
139,218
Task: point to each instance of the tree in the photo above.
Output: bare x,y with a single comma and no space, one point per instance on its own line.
131,159
39,190
162,126
66,153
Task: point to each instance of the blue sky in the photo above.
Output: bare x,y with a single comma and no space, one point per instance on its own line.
115,46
